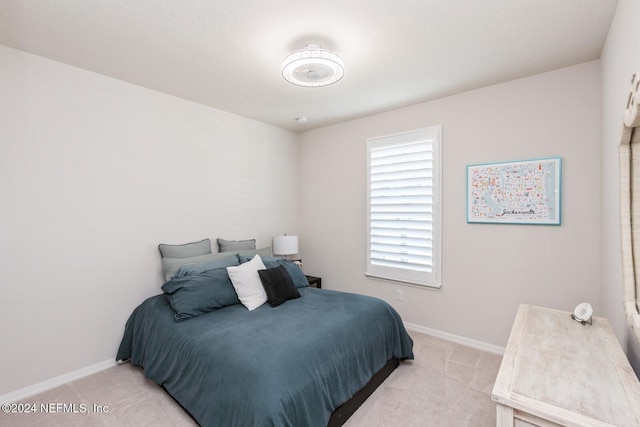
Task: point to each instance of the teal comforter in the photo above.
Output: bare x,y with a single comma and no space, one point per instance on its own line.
290,365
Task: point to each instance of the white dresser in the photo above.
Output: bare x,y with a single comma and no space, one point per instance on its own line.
556,371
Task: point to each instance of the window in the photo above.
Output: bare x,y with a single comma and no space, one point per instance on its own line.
403,207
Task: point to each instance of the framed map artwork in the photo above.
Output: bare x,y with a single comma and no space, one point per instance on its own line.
520,192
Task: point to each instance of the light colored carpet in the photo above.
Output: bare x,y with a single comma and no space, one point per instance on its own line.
446,385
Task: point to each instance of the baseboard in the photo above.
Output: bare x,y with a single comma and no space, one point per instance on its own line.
480,345
55,382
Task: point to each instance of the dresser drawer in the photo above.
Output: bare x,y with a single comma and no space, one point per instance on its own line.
522,419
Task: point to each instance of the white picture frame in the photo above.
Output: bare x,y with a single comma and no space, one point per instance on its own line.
515,192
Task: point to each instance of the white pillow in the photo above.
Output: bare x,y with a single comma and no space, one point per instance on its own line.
246,282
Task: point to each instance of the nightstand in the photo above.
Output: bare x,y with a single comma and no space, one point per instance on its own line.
315,282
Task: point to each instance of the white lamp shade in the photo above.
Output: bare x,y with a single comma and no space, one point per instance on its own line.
285,245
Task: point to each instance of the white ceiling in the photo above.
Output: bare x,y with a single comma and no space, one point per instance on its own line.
227,53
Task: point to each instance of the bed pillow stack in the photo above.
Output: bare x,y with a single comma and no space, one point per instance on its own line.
189,258
196,257
199,281
243,248
257,282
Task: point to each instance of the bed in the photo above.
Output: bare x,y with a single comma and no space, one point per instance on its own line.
294,364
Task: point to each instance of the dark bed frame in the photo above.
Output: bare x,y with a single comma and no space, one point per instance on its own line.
344,411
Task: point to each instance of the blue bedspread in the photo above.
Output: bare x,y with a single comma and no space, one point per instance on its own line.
290,365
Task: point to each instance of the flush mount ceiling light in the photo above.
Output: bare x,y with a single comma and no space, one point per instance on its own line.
312,67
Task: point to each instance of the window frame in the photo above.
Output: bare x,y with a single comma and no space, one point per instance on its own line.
399,275
629,176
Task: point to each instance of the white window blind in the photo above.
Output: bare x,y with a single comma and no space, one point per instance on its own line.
403,207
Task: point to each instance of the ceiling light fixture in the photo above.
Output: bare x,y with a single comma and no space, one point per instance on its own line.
312,67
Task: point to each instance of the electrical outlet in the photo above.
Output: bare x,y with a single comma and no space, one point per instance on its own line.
399,295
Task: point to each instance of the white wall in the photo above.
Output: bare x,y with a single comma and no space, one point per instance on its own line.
487,269
94,174
620,59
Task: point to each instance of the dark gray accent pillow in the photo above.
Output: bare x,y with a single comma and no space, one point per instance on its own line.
234,245
187,250
191,296
278,285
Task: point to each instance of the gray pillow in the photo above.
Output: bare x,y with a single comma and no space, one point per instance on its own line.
170,266
191,296
187,250
250,253
234,245
265,258
218,262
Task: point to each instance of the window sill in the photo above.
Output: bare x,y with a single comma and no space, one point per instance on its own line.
433,286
